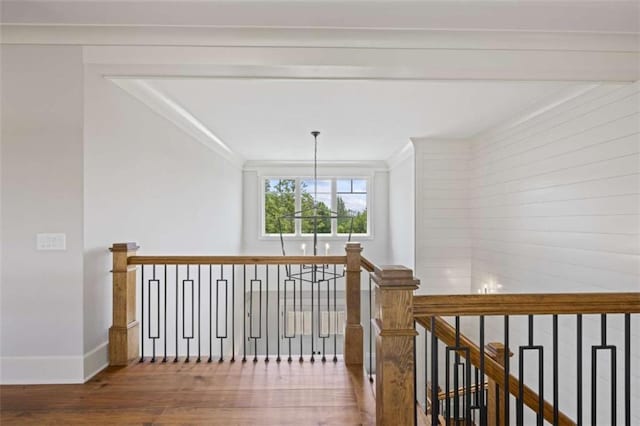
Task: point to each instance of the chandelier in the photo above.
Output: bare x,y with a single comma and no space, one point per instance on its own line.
313,273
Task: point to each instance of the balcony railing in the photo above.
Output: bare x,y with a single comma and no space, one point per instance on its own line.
435,360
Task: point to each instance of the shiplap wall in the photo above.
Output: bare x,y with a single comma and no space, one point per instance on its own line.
443,245
554,207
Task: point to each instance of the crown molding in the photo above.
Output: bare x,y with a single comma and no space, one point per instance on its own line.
529,15
148,94
158,35
400,155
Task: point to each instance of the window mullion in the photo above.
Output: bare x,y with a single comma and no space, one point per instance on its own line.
334,206
298,207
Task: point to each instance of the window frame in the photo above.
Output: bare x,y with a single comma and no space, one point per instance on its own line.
298,235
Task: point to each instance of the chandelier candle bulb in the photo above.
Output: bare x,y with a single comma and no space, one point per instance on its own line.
304,249
326,249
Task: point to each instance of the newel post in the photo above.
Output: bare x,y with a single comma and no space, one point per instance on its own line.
353,335
124,334
395,332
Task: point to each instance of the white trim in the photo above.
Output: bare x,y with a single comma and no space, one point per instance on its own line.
399,156
154,35
96,360
363,63
34,370
31,370
162,104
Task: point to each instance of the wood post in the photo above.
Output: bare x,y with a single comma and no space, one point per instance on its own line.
395,332
124,334
495,391
353,335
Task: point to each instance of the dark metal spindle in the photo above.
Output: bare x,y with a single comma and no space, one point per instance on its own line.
278,313
301,359
211,312
233,313
335,316
266,273
579,369
371,337
142,316
556,396
435,409
627,369
244,313
506,370
176,313
199,321
415,378
483,407
166,334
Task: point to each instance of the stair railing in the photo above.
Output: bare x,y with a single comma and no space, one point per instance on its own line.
507,398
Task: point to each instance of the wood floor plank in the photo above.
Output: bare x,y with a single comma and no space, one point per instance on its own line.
200,393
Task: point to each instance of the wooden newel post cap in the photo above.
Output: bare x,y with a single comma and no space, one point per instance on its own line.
395,276
118,247
353,246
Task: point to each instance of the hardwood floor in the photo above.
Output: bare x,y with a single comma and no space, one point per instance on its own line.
226,393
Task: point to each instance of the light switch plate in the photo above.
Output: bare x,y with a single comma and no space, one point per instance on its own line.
51,242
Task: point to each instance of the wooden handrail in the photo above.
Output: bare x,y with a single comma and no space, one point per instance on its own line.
462,391
446,333
237,260
367,265
527,304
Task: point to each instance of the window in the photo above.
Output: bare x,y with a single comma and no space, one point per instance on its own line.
344,196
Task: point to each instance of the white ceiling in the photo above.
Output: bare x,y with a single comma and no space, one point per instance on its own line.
359,119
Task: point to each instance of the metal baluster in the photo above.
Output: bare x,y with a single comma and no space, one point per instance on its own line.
211,312
507,353
177,293
519,401
627,369
226,311
153,337
255,339
301,359
371,338
313,280
556,396
142,316
482,404
278,313
266,272
426,371
335,316
244,313
415,379
199,321
166,334
233,313
579,369
594,366
435,409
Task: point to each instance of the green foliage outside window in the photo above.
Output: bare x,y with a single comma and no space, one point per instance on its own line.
280,199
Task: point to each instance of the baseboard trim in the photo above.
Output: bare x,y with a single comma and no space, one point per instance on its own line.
34,370
48,370
96,360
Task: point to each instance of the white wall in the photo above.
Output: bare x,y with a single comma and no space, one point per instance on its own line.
42,186
375,248
402,211
147,181
555,208
442,241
